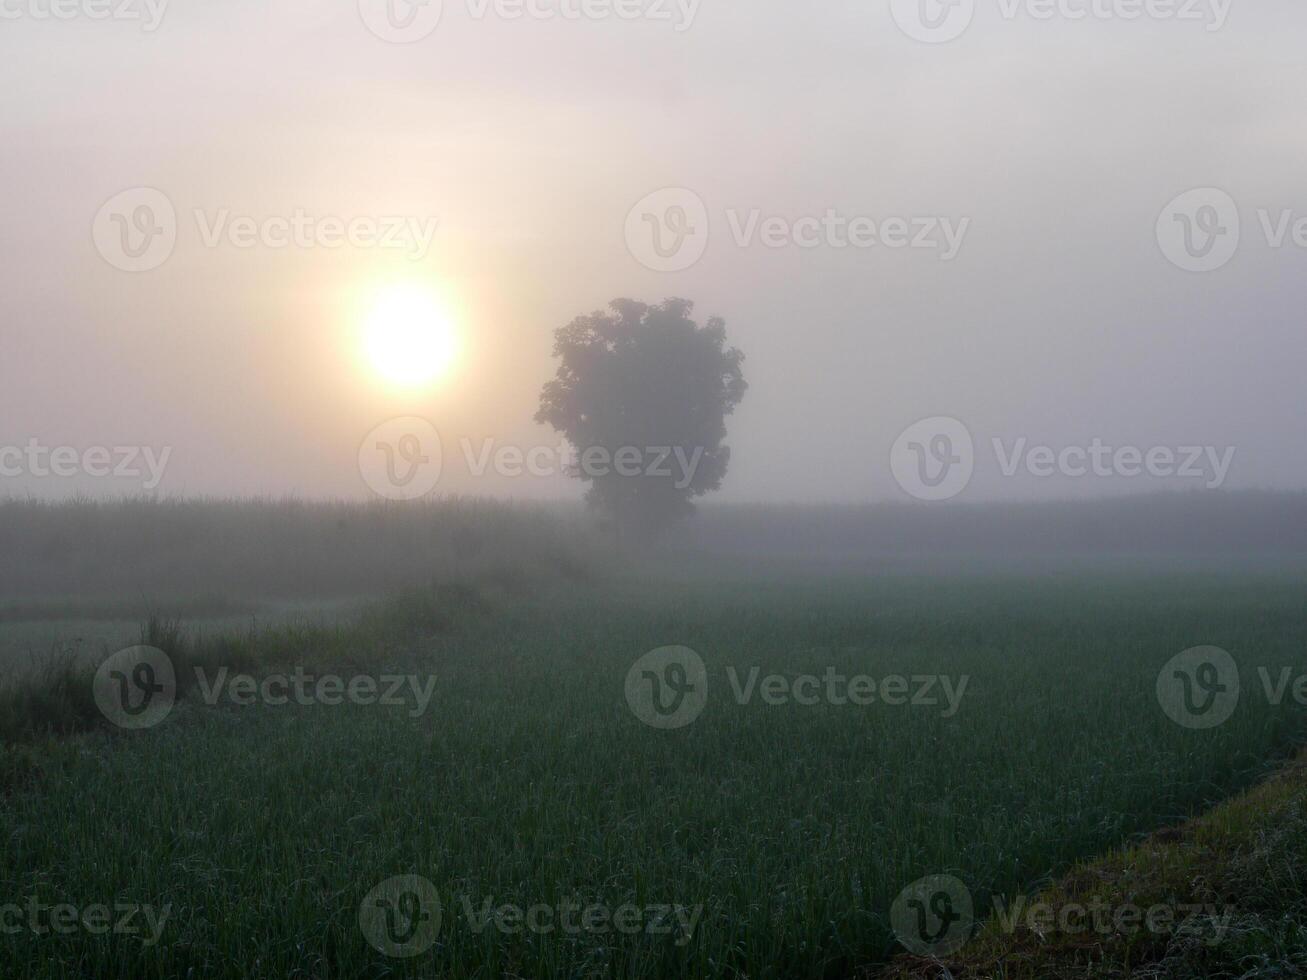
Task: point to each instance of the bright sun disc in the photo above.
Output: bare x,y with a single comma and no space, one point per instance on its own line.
409,337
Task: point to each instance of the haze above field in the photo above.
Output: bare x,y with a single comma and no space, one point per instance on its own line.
1059,320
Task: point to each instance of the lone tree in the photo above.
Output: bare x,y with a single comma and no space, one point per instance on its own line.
642,394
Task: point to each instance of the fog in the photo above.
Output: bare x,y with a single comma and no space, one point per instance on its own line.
1030,157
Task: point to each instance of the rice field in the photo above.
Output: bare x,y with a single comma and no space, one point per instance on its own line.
569,802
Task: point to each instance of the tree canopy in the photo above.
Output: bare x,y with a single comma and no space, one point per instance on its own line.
642,394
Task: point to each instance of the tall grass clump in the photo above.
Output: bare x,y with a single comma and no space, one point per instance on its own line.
53,698
56,697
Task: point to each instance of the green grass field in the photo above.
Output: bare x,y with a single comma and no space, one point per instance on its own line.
760,840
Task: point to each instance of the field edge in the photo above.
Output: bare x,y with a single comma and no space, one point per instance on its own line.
1237,866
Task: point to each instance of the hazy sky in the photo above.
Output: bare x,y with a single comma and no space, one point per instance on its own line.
1050,144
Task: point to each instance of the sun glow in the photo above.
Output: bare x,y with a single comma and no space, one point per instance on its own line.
409,336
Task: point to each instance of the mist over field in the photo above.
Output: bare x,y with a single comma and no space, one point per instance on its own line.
642,489
511,149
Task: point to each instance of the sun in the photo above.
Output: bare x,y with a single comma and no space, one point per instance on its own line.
409,336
